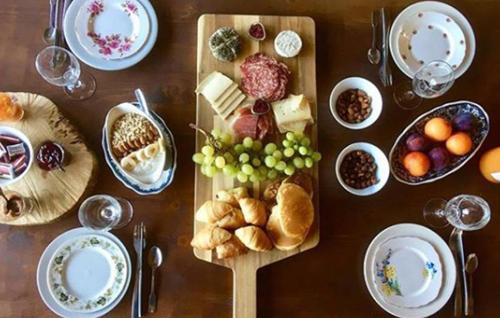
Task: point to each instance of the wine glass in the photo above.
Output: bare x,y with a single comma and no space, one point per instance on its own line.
464,212
104,212
60,67
430,81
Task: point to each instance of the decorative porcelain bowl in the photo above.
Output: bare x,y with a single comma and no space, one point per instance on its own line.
448,111
357,83
4,130
380,160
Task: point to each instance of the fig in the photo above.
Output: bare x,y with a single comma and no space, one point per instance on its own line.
463,122
416,142
440,158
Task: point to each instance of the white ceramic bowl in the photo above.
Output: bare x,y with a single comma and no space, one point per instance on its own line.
380,160
369,88
5,130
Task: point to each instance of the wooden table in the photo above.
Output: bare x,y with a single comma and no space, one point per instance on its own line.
324,282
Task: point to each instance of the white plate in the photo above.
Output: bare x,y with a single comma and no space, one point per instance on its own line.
87,273
112,29
445,256
429,36
410,16
43,267
96,61
408,272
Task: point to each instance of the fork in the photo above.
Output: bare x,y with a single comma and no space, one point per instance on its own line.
139,245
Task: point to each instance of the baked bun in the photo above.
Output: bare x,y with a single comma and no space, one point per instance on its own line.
295,210
232,196
254,238
209,237
254,211
232,221
231,248
271,191
303,180
213,211
279,239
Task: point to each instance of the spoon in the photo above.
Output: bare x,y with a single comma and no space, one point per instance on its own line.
142,101
49,34
470,267
155,257
373,52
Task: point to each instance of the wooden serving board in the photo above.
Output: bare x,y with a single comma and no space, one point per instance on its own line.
303,81
55,192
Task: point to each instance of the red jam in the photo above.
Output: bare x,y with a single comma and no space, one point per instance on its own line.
260,107
257,31
50,156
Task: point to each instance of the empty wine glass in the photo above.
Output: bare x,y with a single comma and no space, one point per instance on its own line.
60,67
104,212
465,212
430,81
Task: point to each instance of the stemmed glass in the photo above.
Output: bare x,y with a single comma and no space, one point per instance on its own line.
464,212
60,67
104,212
431,80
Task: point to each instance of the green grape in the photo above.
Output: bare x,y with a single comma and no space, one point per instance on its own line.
295,147
288,152
303,150
208,161
211,171
198,158
289,170
299,136
226,138
216,132
270,161
220,162
238,148
244,158
278,155
253,178
229,157
286,143
306,142
247,142
262,177
203,170
242,177
308,162
247,169
270,148
208,150
280,166
263,170
290,136
298,162
256,162
257,145
310,152
229,170
316,156
272,174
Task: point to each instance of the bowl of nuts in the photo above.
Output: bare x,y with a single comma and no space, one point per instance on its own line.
362,169
355,103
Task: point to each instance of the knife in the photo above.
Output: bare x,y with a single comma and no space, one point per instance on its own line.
385,69
461,295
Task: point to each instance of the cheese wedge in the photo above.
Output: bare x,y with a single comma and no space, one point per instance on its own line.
296,127
234,96
231,89
214,86
233,106
292,113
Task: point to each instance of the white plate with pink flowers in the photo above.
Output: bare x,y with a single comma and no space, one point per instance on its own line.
112,29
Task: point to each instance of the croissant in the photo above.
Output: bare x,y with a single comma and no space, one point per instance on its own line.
232,221
254,211
209,237
231,248
213,211
254,238
232,196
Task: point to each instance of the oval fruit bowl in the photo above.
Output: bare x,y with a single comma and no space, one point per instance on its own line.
442,161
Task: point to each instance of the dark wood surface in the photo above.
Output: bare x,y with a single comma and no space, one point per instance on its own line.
324,282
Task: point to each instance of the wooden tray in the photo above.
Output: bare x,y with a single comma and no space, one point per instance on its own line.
55,192
303,81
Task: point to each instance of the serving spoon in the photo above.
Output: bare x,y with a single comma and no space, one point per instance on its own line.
155,258
470,267
373,51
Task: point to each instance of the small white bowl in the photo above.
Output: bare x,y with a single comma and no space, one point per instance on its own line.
357,83
5,130
382,168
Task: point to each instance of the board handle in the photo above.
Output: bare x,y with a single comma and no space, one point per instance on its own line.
244,293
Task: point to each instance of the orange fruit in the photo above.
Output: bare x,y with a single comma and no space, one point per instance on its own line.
459,144
417,163
489,165
438,129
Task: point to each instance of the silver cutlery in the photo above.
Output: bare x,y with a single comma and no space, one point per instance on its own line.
49,34
373,51
142,101
385,69
457,248
139,246
470,267
155,258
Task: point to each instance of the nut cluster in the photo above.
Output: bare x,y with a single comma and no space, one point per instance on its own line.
132,132
358,169
354,106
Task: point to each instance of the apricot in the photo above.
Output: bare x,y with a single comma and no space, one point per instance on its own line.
438,129
459,144
489,165
417,163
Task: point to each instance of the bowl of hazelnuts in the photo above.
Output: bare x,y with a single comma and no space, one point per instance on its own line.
355,103
362,169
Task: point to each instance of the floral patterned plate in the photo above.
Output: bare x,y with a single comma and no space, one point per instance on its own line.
112,29
87,273
408,272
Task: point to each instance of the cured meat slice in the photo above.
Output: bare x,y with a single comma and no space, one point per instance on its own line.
246,124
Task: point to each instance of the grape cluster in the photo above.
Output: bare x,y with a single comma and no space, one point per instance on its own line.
253,161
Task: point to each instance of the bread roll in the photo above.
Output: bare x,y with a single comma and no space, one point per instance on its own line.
254,238
295,210
209,237
232,196
254,211
271,191
230,248
232,221
303,180
275,233
213,211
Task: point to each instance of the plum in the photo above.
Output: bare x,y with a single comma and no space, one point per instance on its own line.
440,157
463,122
416,142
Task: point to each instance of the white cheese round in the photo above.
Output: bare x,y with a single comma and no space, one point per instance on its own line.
288,43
